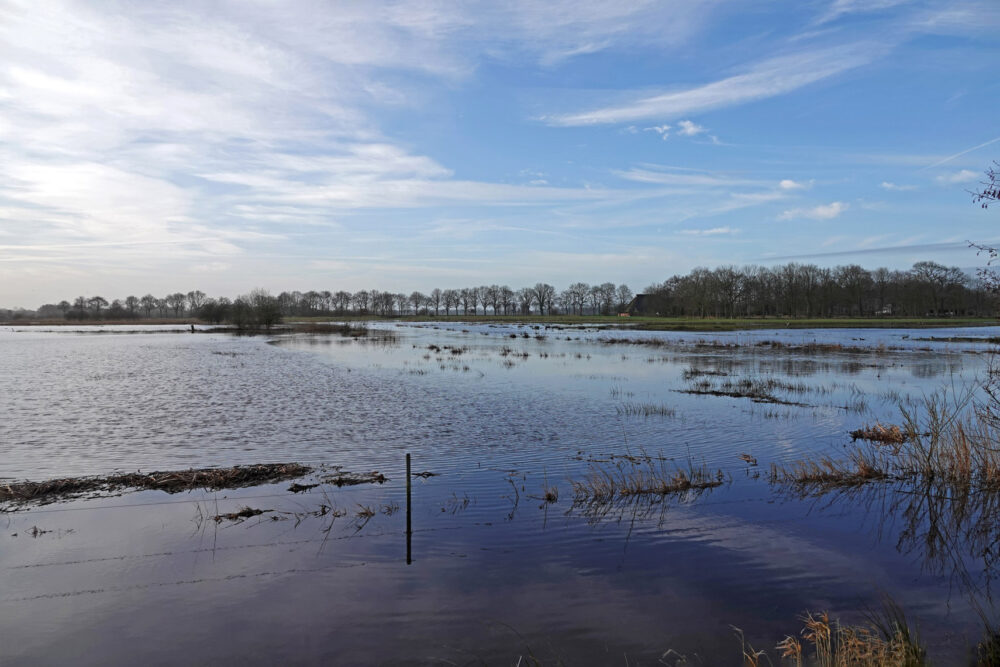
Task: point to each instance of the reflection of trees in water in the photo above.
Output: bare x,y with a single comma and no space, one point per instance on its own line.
934,366
953,529
631,508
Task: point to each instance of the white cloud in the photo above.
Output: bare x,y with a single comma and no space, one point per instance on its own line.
895,187
662,130
765,79
963,176
821,212
789,184
689,129
715,231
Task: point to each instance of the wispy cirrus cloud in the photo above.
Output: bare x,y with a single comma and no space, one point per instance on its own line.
841,8
765,79
714,231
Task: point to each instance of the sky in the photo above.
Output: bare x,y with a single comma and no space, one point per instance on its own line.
223,146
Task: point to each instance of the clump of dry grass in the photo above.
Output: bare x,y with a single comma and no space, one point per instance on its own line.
644,476
877,432
759,390
169,481
885,641
860,467
631,409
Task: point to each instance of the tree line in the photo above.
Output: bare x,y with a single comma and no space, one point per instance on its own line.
788,290
807,290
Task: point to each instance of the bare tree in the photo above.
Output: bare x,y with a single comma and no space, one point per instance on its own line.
523,298
543,294
450,298
342,300
195,298
148,303
625,297
176,302
577,296
401,301
361,300
132,305
265,309
435,300
417,299
990,192
468,297
96,303
506,298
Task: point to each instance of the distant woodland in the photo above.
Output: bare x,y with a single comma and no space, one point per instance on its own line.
789,290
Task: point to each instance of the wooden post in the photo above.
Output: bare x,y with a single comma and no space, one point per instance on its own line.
409,530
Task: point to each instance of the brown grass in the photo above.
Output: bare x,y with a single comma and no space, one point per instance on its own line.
758,390
877,432
946,440
170,481
885,641
860,467
631,477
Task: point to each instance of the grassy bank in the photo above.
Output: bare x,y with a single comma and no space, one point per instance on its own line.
691,323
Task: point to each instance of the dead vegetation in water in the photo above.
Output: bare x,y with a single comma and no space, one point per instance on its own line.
347,478
641,476
343,329
946,439
169,481
810,348
878,432
239,516
758,390
632,409
301,488
859,467
886,640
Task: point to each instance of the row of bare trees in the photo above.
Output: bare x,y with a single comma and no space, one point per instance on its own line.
807,290
542,298
173,305
790,290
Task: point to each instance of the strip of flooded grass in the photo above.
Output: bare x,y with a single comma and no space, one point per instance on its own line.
170,481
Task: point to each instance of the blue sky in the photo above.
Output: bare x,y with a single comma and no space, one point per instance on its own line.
162,147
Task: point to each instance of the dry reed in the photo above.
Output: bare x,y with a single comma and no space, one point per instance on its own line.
944,440
885,641
643,476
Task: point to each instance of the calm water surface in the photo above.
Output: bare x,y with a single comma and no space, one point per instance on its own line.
499,414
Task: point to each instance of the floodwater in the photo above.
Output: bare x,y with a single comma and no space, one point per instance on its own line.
499,414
